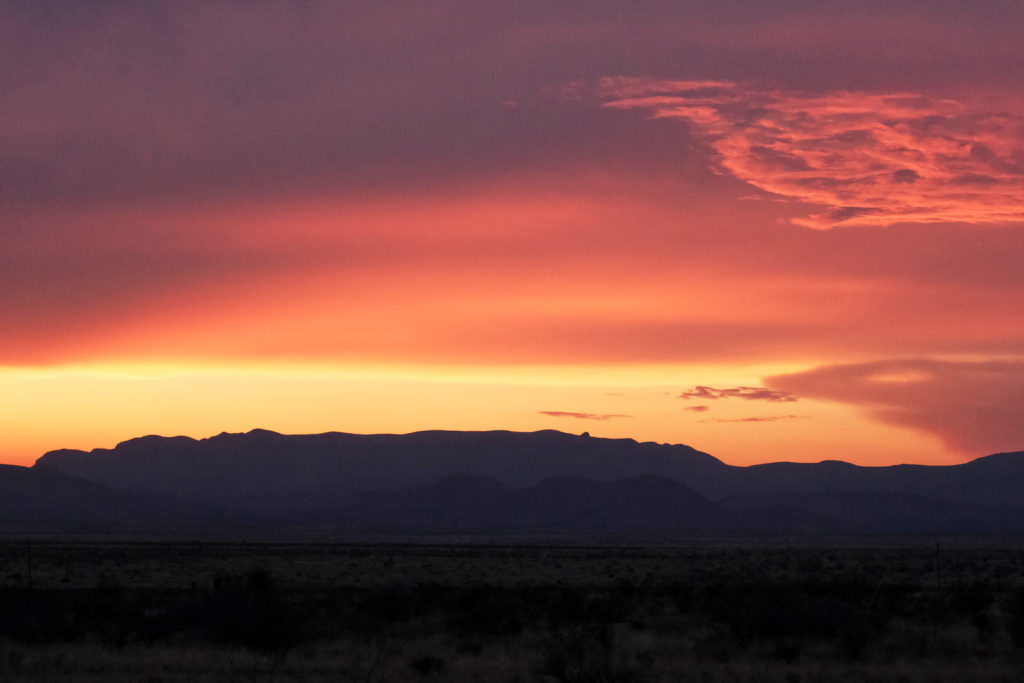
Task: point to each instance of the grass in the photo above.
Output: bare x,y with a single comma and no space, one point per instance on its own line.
376,612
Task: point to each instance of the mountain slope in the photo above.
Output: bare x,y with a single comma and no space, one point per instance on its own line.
467,504
992,480
265,468
441,481
44,495
888,513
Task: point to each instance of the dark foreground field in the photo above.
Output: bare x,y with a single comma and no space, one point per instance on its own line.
206,611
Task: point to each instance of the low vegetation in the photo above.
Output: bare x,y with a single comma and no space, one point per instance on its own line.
129,611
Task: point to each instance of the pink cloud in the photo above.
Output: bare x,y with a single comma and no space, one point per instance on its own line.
974,407
862,158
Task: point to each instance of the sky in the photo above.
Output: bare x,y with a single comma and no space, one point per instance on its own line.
772,231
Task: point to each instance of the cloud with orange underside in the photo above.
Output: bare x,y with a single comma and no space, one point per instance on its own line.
860,158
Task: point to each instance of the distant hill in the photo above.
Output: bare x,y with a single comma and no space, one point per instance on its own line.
262,468
868,512
499,481
46,497
991,480
466,504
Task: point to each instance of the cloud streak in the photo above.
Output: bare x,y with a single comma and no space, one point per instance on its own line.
581,416
863,158
974,407
746,393
758,418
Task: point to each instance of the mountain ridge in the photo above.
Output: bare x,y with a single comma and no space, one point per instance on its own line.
546,480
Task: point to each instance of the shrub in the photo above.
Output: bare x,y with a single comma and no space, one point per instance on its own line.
249,611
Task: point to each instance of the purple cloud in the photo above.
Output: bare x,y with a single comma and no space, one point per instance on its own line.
974,407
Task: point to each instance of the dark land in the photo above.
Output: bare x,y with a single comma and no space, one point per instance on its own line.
116,610
499,556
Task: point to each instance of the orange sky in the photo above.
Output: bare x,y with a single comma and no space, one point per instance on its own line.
320,218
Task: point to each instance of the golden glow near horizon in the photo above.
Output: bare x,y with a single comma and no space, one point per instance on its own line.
642,403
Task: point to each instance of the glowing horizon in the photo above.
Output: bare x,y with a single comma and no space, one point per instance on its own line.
173,401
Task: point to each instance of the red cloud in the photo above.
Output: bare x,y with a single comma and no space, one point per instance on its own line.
975,407
865,158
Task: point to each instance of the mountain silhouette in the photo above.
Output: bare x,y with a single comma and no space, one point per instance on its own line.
468,504
43,496
500,481
262,468
887,513
991,480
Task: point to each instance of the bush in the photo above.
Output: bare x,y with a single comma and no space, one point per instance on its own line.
248,611
1015,618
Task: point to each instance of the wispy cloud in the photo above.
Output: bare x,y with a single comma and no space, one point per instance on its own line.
582,416
746,393
759,418
697,409
863,158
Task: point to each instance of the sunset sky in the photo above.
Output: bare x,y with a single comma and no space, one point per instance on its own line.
769,230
